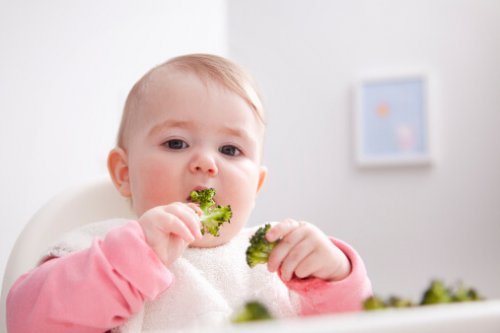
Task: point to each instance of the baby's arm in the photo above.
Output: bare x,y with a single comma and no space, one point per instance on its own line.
327,274
91,290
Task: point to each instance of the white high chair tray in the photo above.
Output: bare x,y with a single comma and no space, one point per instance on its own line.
483,316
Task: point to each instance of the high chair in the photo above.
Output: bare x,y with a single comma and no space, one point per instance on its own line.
82,204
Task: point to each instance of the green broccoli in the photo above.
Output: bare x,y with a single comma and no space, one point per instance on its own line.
462,294
377,303
437,293
213,215
260,248
373,303
398,302
252,311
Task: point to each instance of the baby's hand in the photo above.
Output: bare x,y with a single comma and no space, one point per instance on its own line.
305,251
170,229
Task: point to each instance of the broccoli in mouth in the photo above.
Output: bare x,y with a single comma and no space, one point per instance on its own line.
213,215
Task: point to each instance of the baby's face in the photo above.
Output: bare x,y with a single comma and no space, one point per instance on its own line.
192,135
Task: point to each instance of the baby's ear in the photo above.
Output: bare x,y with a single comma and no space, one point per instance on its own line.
262,178
118,170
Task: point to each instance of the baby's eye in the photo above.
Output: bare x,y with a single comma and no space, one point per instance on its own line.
176,144
230,150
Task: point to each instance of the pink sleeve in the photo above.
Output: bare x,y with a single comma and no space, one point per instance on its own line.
320,297
92,290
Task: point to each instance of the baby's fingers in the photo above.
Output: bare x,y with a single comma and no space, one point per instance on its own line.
189,216
284,247
172,224
311,266
195,208
282,229
296,260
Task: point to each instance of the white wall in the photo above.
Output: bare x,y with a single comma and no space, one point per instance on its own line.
413,224
65,70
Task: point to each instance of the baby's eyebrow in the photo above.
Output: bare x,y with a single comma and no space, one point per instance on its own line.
239,133
169,124
235,132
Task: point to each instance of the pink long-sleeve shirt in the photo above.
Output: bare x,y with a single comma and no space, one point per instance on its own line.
99,288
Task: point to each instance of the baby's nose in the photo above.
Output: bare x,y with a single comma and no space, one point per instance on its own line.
205,164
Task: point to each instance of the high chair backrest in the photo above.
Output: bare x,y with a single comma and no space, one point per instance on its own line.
82,204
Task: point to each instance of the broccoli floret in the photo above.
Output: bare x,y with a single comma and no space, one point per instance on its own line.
213,215
398,302
473,295
377,303
252,311
260,248
463,294
436,293
373,303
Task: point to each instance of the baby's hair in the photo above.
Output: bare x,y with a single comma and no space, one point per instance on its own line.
209,68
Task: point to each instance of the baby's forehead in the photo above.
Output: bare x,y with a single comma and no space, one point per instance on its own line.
166,84
155,86
168,76
163,82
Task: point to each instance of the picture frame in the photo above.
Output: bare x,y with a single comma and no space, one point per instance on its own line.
392,125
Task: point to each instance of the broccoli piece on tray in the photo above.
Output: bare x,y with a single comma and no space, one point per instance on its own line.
260,248
398,302
373,303
213,215
463,294
436,293
252,311
377,303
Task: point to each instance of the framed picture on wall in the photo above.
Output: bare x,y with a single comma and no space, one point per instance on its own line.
392,121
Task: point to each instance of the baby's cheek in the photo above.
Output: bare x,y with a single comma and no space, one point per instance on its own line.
243,187
154,188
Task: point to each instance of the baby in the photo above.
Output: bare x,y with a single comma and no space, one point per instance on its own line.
192,123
